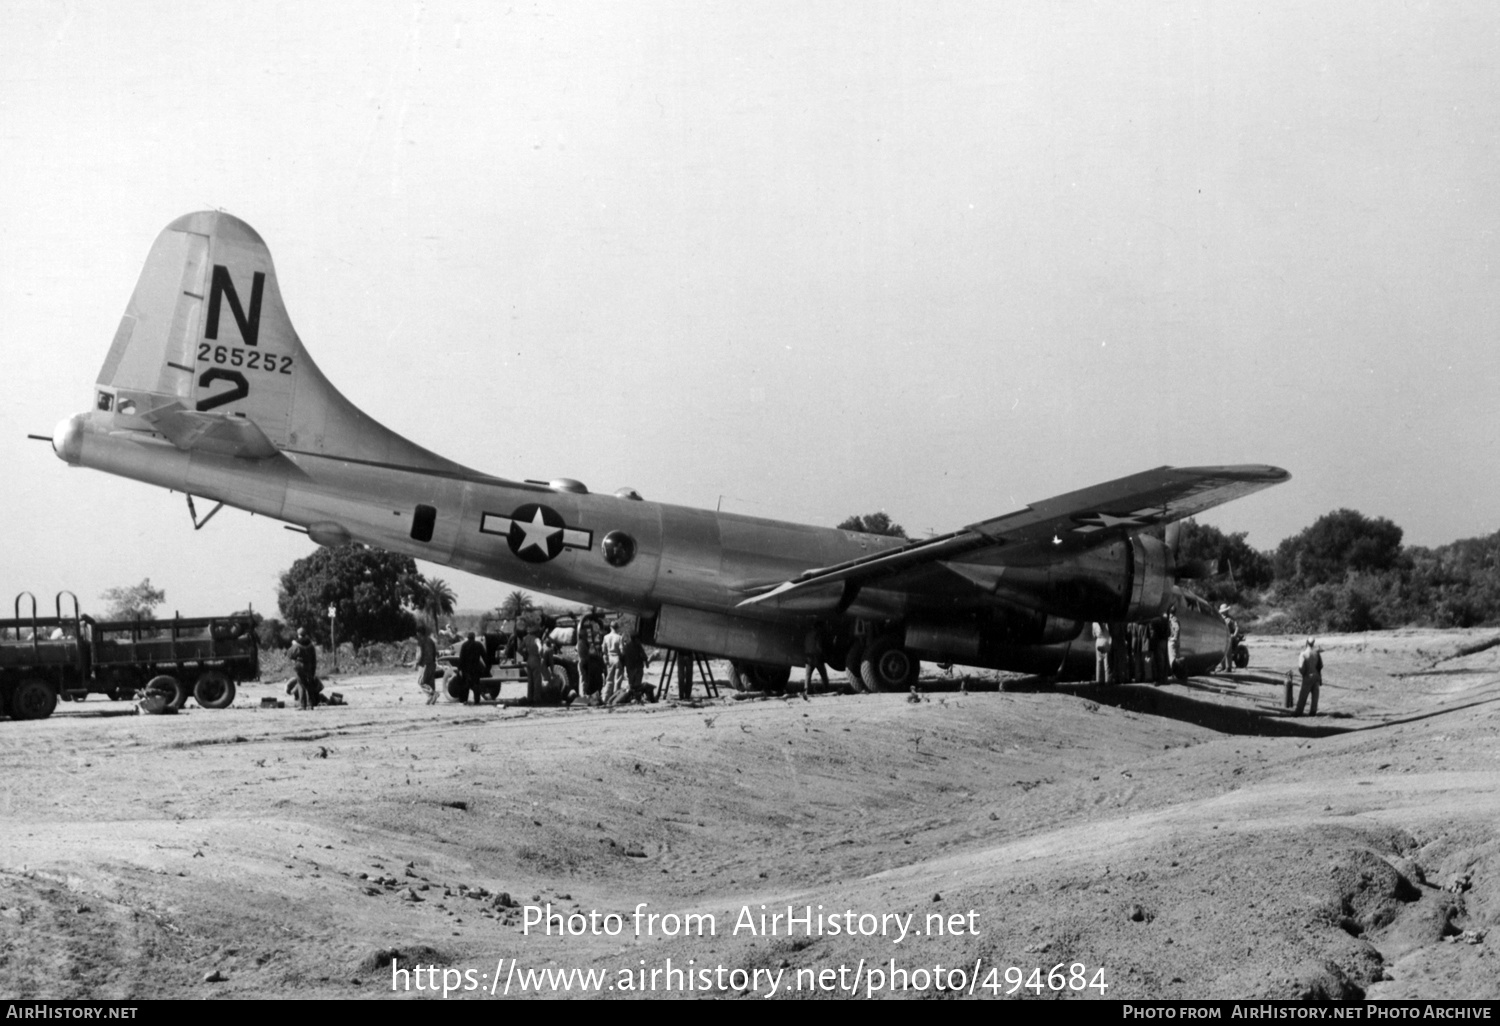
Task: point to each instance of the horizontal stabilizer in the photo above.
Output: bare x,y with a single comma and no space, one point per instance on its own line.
224,434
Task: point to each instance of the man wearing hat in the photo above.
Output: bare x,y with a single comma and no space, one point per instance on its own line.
426,664
471,666
303,655
1233,629
1310,664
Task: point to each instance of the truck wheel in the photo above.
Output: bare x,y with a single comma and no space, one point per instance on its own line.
173,693
213,690
32,699
557,683
455,689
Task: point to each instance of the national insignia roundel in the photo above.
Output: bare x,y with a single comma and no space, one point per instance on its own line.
536,533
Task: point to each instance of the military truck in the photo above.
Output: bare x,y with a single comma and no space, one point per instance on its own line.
67,657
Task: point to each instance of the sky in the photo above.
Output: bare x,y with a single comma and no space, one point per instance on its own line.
797,260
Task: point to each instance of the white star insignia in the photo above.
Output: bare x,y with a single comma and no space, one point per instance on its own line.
1102,521
538,533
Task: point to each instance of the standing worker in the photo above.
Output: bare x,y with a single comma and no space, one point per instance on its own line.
1104,673
812,650
471,667
1174,639
1158,629
426,664
590,660
304,657
1310,664
1232,630
633,658
530,652
614,644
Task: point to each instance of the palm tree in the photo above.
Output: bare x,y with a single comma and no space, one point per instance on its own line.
516,605
438,601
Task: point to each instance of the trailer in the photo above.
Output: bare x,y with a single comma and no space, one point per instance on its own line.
68,657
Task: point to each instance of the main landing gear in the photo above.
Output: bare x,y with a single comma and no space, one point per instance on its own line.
885,665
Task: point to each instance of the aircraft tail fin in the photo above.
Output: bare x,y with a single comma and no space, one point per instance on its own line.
206,356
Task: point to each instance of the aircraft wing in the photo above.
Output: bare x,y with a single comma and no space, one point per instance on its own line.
1062,525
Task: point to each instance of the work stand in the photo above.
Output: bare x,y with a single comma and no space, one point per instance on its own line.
683,663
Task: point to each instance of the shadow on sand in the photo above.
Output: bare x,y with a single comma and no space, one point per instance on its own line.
1265,720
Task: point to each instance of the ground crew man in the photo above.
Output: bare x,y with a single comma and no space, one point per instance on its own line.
471,667
614,642
590,661
1139,643
812,650
1310,664
1159,628
1174,639
633,658
304,657
1233,630
531,654
1104,673
426,664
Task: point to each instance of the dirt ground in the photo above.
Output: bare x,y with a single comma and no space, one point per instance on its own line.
1188,841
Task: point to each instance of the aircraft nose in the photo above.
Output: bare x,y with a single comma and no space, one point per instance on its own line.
67,438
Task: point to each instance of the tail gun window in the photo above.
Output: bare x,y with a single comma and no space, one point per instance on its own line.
422,521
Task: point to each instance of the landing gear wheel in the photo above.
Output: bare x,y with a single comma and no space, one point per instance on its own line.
770,679
739,677
171,692
1241,657
213,690
32,699
889,667
853,656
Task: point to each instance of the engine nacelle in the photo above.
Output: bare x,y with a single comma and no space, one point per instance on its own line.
984,640
1129,579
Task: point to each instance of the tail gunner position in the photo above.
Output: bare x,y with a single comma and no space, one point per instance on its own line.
208,390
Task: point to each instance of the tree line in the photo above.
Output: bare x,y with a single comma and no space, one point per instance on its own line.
1349,572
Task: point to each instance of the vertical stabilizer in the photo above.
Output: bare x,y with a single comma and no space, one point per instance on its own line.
207,357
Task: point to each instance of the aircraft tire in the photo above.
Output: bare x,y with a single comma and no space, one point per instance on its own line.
853,657
738,677
768,678
174,694
32,699
889,667
1241,657
213,690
